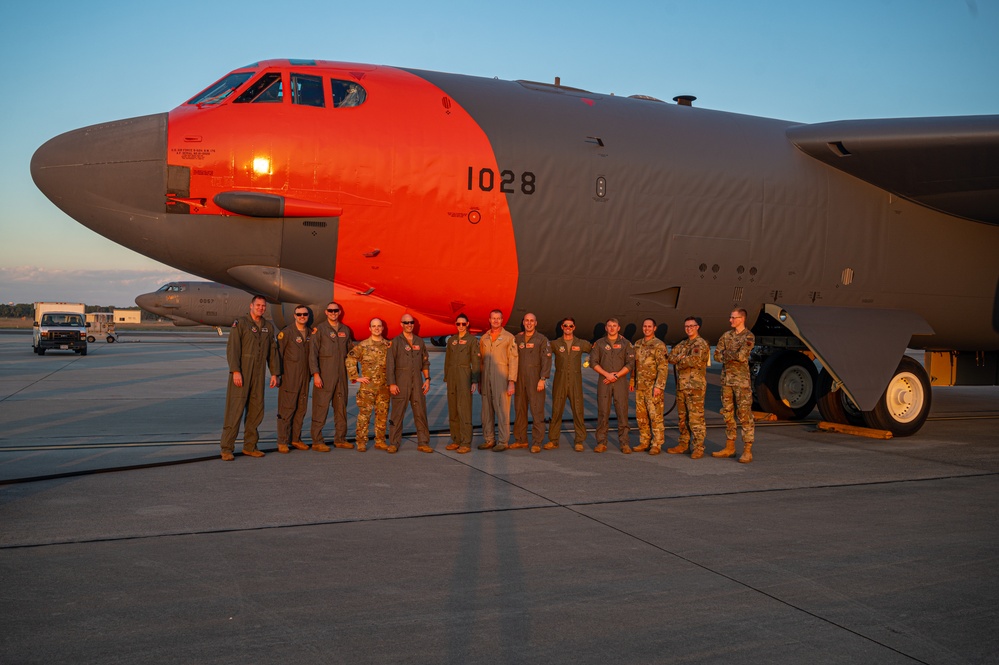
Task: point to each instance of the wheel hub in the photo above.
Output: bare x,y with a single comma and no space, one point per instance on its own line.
795,387
904,397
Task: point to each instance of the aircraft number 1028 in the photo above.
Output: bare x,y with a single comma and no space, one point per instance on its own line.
486,181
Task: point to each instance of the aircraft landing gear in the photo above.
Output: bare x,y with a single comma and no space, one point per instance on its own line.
785,385
903,407
834,405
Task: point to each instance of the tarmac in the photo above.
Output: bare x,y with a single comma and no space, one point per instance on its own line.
124,538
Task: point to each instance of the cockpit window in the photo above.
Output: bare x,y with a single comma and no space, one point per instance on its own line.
170,288
347,93
221,90
267,88
307,90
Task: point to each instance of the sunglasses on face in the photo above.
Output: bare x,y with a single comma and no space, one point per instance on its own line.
568,326
461,324
408,323
301,313
335,310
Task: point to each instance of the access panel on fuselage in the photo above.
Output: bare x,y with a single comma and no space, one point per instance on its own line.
309,246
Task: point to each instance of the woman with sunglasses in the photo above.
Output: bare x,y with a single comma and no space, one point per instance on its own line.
461,374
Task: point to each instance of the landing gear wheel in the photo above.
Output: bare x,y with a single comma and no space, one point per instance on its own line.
785,385
834,405
91,339
438,341
905,403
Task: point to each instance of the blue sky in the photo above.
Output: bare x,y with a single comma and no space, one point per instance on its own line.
72,64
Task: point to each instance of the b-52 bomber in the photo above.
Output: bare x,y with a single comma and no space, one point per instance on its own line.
397,190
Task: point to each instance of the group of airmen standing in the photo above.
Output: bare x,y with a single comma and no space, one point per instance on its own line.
395,375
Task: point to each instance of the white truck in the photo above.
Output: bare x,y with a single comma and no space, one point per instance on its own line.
59,325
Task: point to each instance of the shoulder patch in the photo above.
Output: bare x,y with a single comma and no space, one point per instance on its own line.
281,335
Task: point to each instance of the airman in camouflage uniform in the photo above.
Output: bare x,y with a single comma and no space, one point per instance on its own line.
612,357
732,351
249,349
373,393
649,384
691,359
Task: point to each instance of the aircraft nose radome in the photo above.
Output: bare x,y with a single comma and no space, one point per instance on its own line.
106,174
145,301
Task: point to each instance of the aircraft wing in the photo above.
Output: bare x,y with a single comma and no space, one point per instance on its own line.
950,164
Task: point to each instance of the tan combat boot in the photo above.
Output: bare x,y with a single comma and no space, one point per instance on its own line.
747,453
678,448
728,451
698,452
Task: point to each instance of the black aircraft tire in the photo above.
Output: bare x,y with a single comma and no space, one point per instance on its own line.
439,341
905,403
785,385
834,406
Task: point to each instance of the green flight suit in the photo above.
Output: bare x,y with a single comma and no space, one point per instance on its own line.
568,385
293,395
249,349
461,370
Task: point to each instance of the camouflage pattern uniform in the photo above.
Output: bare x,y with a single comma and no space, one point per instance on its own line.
293,396
374,394
405,365
461,370
534,357
612,357
691,359
651,371
328,349
568,384
732,351
249,348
